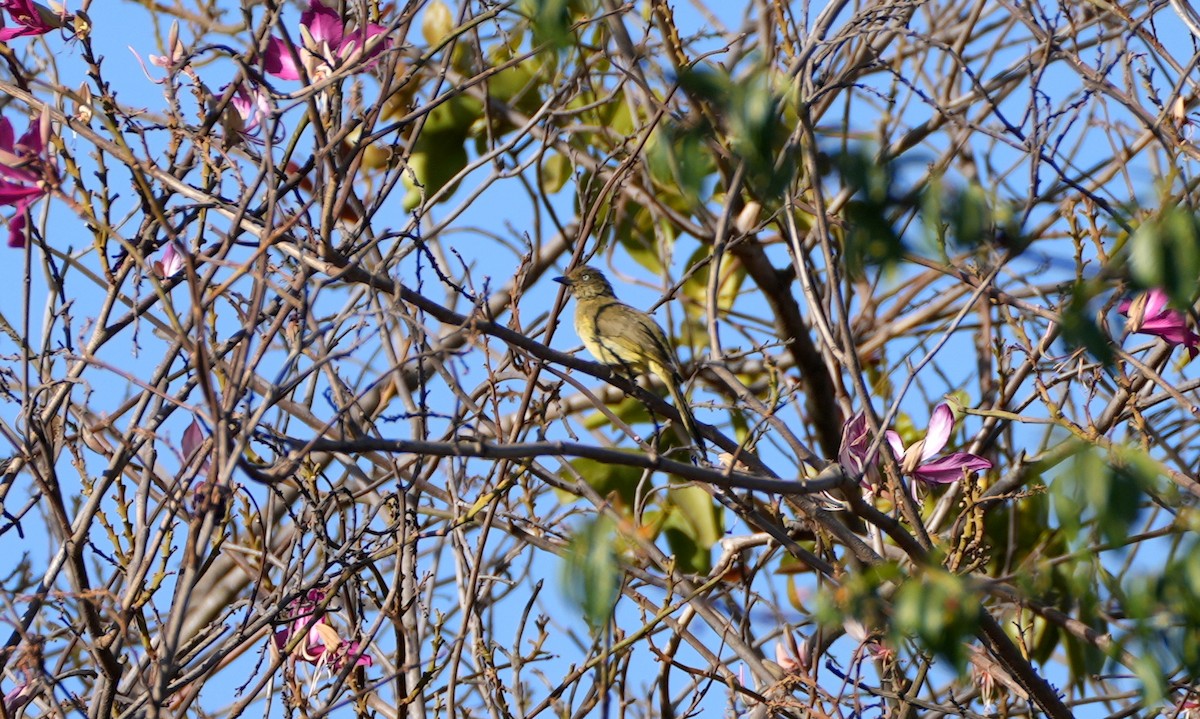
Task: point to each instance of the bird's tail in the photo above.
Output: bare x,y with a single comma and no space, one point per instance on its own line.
674,382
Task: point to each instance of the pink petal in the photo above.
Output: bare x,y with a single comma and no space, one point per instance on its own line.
853,453
323,24
15,194
940,426
1156,299
950,468
13,168
358,40
193,438
21,31
1174,332
16,229
18,697
171,264
277,60
31,142
361,658
29,18
281,638
897,444
7,135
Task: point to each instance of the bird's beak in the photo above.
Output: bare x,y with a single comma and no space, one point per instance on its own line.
563,281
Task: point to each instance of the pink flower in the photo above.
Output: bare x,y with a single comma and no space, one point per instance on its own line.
193,441
917,461
855,442
325,44
207,494
24,169
17,697
247,113
252,105
1149,315
175,61
869,643
169,266
30,17
321,644
793,658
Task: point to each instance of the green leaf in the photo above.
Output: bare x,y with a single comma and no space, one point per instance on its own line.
592,575
696,286
635,231
555,172
629,410
691,557
437,22
870,238
1150,673
551,22
757,134
680,163
1165,252
452,118
696,513
971,219
518,85
933,211
705,82
860,598
1079,328
1106,488
752,112
436,159
606,479
1045,642
940,610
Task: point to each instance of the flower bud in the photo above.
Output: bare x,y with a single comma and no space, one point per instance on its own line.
748,217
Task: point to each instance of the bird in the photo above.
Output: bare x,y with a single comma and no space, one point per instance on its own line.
625,338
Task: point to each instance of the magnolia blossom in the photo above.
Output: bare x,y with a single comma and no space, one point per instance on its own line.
30,18
170,265
1149,315
252,106
855,442
917,460
207,494
869,644
176,59
325,44
24,167
246,114
985,679
791,657
193,437
17,697
321,644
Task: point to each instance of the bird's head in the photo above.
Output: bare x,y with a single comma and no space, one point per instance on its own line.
586,283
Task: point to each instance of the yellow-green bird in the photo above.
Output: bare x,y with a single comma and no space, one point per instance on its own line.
625,338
